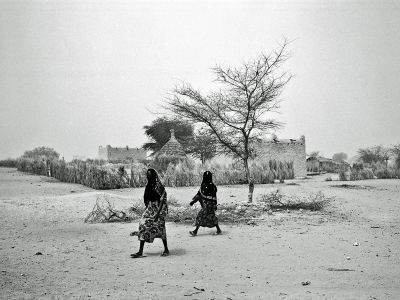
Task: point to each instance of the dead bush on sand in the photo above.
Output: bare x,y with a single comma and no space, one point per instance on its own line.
104,211
276,200
181,213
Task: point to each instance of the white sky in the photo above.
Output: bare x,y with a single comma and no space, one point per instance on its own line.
78,74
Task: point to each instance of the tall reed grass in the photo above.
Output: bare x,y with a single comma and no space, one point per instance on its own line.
94,175
186,172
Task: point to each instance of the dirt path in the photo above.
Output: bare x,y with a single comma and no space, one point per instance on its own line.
268,261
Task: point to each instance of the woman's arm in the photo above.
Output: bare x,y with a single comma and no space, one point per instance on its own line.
162,200
195,198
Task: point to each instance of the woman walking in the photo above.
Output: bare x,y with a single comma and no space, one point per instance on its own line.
152,223
207,196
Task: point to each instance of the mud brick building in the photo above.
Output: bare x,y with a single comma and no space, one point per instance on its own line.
285,150
109,153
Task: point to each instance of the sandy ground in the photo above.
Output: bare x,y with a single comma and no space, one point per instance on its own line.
268,261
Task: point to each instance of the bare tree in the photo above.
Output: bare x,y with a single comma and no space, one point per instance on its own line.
238,112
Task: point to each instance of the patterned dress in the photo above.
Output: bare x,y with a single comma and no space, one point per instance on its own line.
206,216
149,229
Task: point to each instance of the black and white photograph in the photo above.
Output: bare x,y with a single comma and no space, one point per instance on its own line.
199,149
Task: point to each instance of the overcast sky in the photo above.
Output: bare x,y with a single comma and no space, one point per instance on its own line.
78,74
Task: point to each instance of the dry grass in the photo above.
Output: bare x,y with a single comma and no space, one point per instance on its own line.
227,213
104,212
178,213
313,202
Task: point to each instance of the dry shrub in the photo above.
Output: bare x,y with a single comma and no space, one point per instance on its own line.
313,202
104,212
183,213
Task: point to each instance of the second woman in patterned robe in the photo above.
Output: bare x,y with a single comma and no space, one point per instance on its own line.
207,196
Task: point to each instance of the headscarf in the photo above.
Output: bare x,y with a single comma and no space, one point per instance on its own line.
207,187
154,189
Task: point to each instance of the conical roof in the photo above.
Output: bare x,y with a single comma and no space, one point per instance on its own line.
172,147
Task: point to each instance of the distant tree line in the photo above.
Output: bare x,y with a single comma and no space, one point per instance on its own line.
373,162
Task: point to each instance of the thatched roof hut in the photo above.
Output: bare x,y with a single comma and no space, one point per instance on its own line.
172,148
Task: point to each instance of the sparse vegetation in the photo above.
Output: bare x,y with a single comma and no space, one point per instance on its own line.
377,170
179,213
276,200
104,212
174,172
8,163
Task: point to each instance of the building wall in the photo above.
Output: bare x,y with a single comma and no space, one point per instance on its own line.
125,153
285,150
316,164
313,164
103,154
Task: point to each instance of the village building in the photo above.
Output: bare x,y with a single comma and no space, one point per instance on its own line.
172,148
285,150
123,154
318,164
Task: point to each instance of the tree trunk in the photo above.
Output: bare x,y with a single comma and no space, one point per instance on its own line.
249,181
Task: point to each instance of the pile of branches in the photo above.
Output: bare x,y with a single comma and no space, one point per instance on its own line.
277,201
104,212
183,213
